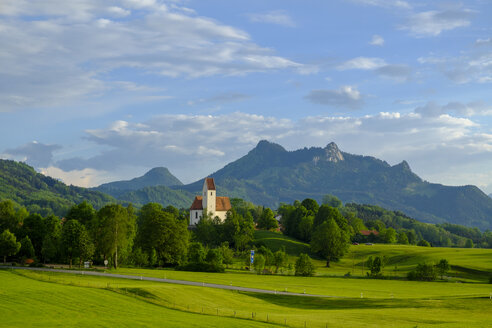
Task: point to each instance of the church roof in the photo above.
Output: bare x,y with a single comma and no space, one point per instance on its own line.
210,183
221,204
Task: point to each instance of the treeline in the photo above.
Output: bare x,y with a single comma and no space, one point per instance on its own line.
301,219
445,235
156,236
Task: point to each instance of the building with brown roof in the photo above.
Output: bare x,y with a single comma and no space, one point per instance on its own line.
209,202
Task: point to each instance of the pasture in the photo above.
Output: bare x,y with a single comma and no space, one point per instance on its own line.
105,301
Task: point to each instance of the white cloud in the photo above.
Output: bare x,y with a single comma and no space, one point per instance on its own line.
476,108
277,17
434,22
377,40
384,3
64,54
344,97
364,63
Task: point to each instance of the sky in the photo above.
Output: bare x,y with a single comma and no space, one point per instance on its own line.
93,91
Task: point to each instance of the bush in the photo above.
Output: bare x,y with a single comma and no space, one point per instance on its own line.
423,272
304,266
490,280
424,243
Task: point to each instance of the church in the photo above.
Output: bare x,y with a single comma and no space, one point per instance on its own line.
214,206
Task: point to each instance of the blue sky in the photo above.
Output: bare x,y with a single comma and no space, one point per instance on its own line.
94,91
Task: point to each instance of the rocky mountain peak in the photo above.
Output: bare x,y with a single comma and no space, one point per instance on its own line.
332,153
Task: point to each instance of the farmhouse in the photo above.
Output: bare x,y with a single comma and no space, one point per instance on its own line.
209,202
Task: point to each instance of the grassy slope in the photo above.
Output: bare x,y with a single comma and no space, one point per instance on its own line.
442,311
29,303
467,264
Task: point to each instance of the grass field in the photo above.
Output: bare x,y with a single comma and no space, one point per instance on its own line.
26,302
468,264
148,304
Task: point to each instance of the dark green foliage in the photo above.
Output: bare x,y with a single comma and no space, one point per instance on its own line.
259,263
70,239
86,247
332,201
201,267
139,257
279,260
8,244
158,176
375,266
423,272
83,212
196,253
443,267
304,266
469,243
402,238
310,205
214,257
329,241
160,230
424,243
35,228
114,231
27,250
267,220
10,218
41,194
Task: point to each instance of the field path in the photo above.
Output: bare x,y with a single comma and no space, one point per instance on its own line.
172,281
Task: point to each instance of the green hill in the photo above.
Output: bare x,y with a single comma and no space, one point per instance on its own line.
158,176
159,194
269,174
42,194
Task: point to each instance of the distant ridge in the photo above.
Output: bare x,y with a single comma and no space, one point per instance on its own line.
158,176
269,174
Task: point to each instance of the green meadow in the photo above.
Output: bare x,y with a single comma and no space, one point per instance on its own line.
27,296
467,264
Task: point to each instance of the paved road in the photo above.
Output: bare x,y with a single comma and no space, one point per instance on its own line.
171,281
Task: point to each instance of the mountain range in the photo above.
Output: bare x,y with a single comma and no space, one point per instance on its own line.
269,175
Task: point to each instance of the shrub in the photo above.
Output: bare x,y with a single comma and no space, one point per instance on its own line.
424,243
423,272
304,266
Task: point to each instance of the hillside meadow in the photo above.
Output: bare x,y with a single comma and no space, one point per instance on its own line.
467,264
143,303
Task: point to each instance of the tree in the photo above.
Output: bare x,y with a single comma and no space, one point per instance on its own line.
83,212
424,243
469,243
402,238
196,253
214,257
70,239
304,266
267,220
329,241
26,250
8,245
279,259
443,267
424,272
161,231
310,205
259,263
376,266
10,218
389,236
306,228
116,230
332,201
86,246
34,227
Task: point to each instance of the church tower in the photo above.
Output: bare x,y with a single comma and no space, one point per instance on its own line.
209,195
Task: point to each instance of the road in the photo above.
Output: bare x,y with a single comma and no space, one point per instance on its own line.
171,281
